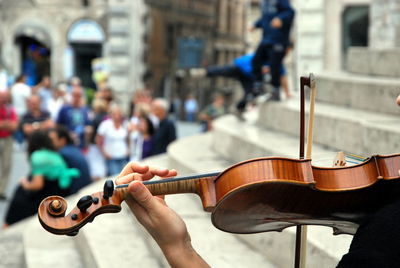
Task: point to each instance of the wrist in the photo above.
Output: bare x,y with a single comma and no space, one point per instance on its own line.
183,255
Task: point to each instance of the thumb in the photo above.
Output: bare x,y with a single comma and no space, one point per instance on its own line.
143,196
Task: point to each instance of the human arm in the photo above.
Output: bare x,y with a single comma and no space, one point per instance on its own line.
101,132
11,123
36,184
164,225
285,14
28,127
100,144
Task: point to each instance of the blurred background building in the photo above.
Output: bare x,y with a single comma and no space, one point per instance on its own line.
143,43
137,43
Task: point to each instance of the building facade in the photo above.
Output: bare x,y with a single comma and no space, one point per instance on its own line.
185,34
324,30
64,34
142,43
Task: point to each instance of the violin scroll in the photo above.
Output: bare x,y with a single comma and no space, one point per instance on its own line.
57,207
52,211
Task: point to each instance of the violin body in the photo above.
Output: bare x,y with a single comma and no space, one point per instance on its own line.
258,195
271,194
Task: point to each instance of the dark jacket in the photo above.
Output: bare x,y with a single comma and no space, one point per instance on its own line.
75,159
271,9
165,134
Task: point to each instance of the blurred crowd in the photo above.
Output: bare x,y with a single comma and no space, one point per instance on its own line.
73,138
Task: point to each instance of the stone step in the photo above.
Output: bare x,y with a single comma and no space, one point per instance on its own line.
196,154
45,250
240,141
11,246
373,94
117,240
374,62
337,127
114,240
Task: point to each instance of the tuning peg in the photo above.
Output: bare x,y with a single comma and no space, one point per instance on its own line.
84,203
108,189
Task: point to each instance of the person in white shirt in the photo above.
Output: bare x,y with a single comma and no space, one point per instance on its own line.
3,79
20,92
112,139
57,101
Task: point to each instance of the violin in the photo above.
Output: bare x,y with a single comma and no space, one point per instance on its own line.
257,195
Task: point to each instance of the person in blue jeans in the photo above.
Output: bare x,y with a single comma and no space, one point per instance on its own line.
276,21
112,139
241,70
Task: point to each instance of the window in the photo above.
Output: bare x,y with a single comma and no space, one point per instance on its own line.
190,52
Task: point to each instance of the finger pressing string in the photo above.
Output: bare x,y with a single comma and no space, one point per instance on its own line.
128,178
133,167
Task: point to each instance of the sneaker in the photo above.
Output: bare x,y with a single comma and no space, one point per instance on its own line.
262,98
275,96
197,72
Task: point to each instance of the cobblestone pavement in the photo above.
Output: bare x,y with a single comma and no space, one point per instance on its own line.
20,165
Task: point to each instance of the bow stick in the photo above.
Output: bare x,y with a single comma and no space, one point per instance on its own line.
301,231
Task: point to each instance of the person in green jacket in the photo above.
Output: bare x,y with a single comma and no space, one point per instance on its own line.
49,175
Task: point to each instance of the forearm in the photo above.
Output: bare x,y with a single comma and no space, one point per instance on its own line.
36,184
183,256
8,125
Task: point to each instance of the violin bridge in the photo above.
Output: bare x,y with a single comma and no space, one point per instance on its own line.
339,160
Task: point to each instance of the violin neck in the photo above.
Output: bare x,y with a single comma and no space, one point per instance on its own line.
202,185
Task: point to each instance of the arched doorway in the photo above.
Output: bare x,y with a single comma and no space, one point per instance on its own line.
34,49
85,38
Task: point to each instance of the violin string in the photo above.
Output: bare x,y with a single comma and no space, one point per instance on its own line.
349,161
354,157
357,156
348,155
174,179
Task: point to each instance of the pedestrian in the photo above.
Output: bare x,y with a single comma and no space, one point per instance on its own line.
35,118
106,93
74,158
57,101
3,78
241,70
43,89
276,21
94,156
191,108
20,92
212,111
141,140
166,131
112,139
49,175
75,117
8,124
